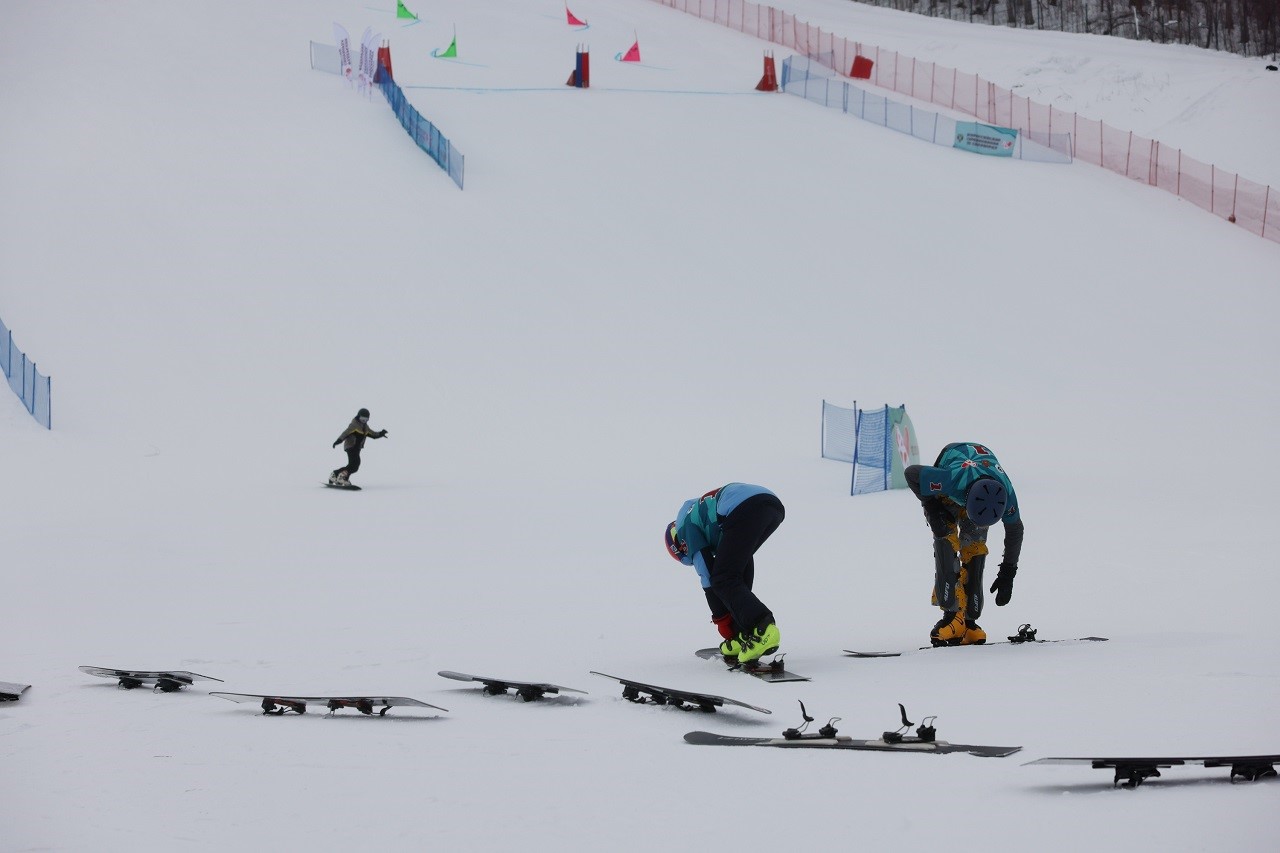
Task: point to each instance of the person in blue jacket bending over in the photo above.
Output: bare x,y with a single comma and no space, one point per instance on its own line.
963,493
718,534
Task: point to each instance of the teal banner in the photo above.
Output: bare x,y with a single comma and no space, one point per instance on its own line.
985,138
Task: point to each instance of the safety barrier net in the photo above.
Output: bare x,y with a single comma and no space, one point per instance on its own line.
31,386
1246,203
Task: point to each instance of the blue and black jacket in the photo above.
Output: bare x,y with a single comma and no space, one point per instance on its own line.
698,524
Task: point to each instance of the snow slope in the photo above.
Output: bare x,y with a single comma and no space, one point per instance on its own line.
644,291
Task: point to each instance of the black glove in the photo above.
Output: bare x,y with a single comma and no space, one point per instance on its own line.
384,433
335,444
1002,586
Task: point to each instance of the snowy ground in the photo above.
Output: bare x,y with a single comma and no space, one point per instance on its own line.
644,292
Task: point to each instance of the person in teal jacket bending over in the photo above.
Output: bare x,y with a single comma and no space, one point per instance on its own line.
963,493
718,534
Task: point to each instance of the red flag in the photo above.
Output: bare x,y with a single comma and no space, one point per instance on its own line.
573,19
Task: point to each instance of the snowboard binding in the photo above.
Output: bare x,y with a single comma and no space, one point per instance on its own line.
279,707
758,666
925,732
798,733
1026,634
162,685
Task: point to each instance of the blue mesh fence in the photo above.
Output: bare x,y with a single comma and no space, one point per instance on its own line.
427,136
810,79
29,384
871,464
839,432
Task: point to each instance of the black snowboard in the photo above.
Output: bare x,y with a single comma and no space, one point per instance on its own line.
1026,636
526,690
278,705
165,681
636,691
842,742
1132,772
773,670
10,692
346,487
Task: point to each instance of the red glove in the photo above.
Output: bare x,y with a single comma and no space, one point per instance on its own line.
724,624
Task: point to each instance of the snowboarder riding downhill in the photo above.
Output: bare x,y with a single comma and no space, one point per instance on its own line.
963,493
718,534
352,440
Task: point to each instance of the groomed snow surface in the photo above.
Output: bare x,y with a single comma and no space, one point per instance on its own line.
644,292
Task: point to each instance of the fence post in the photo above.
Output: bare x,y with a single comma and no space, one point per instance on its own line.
1266,203
888,466
1128,154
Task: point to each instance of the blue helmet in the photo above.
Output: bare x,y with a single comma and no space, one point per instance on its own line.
986,501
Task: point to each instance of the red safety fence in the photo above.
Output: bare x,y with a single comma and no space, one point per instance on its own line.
1250,205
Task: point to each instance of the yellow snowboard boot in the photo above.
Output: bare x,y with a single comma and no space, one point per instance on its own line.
950,630
731,647
758,642
973,635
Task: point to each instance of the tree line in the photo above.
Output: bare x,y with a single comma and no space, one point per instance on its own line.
1246,27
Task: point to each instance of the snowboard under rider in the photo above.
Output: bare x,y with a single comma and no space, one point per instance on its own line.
963,493
352,441
718,534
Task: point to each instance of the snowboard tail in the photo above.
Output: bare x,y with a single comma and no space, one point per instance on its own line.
11,692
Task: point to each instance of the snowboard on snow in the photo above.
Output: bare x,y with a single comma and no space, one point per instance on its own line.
1026,635
828,737
526,690
166,681
10,692
1132,772
346,487
278,705
638,691
773,670
845,742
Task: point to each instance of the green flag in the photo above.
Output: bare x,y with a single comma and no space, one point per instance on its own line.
402,12
451,52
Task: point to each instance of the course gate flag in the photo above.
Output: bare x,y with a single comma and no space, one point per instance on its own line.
403,13
632,55
450,52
